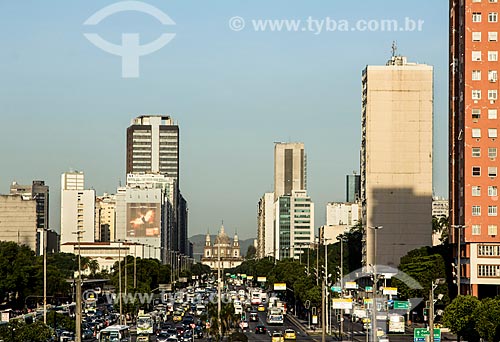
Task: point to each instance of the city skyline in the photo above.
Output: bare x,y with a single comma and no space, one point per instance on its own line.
231,105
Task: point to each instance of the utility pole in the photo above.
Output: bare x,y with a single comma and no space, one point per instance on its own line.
219,285
78,313
323,311
120,279
459,252
341,239
374,289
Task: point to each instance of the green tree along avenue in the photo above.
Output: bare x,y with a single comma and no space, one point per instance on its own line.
294,272
425,265
473,319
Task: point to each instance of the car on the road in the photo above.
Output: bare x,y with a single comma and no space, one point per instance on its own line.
261,307
162,337
260,329
290,334
254,316
243,325
277,336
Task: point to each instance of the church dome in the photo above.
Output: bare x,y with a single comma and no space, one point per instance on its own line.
222,238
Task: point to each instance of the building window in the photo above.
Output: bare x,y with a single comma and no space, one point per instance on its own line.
476,171
493,1
476,17
493,17
492,94
476,36
492,36
492,75
476,113
488,271
476,210
492,114
476,55
488,250
492,211
492,171
476,152
492,152
476,191
476,94
476,75
492,56
492,132
476,132
476,229
492,190
492,229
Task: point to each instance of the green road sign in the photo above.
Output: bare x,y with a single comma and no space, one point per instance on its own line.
419,334
336,289
399,304
233,276
368,288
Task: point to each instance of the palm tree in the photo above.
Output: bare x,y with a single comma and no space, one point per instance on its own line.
93,266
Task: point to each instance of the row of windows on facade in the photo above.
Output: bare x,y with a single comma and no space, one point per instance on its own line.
492,133
492,75
490,1
492,36
492,152
488,271
492,113
492,94
492,229
477,17
492,171
222,253
488,250
478,56
476,211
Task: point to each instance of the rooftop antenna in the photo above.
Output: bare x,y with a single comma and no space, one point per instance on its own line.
394,48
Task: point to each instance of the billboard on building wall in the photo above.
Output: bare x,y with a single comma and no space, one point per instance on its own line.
143,220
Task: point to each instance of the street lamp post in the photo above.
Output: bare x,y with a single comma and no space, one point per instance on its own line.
374,289
459,252
439,281
135,267
120,279
78,313
43,232
341,240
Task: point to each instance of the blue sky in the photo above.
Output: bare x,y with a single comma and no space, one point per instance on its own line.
64,104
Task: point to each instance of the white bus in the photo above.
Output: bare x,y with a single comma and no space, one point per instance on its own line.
144,324
274,316
256,298
115,333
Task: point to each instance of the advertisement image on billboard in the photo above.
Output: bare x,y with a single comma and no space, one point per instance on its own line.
143,220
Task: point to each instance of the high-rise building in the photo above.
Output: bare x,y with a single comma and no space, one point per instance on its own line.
396,159
353,188
18,220
77,209
153,146
289,168
294,224
40,193
143,216
265,228
153,151
105,218
343,214
473,140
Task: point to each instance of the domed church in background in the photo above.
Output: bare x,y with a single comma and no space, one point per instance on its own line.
228,250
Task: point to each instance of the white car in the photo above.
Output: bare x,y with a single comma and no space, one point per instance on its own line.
244,325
